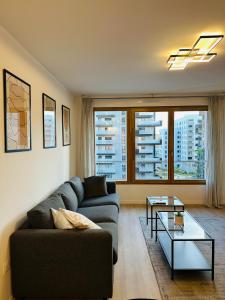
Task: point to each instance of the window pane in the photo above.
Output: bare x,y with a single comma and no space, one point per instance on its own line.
111,144
151,145
189,145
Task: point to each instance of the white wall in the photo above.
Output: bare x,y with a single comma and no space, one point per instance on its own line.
136,193
28,177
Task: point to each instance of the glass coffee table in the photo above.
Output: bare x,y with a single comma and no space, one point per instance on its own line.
156,202
178,243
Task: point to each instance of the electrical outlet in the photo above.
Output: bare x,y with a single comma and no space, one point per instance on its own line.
5,268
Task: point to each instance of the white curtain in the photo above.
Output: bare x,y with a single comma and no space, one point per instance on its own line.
87,154
216,152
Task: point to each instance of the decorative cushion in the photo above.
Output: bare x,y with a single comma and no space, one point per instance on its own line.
40,217
60,220
78,221
68,195
95,186
77,186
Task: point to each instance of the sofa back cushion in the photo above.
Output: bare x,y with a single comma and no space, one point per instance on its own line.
77,186
68,195
40,217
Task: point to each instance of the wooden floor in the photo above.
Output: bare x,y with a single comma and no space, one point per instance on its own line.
134,276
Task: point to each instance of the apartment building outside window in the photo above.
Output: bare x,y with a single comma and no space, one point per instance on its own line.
164,145
150,160
191,163
111,143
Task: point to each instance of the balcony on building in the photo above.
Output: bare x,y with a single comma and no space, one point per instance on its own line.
104,133
141,170
140,132
104,142
143,151
103,123
149,124
149,160
150,142
143,159
105,114
144,115
105,152
105,171
102,173
103,157
100,161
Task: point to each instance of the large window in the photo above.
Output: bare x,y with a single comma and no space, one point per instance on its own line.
189,145
151,147
157,145
111,144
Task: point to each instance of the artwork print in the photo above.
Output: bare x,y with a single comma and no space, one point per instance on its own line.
17,113
66,125
49,121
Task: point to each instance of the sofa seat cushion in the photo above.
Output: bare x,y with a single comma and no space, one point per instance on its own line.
77,186
111,199
40,217
113,230
68,195
100,214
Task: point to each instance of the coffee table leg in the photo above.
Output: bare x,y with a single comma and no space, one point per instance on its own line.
151,221
147,211
213,254
172,260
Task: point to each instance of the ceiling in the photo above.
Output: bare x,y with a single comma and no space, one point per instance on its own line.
116,47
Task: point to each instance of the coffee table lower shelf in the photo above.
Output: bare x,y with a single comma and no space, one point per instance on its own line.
185,255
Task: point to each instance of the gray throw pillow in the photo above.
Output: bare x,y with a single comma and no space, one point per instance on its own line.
95,186
40,217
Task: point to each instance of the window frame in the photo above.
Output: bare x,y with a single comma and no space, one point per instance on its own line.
131,142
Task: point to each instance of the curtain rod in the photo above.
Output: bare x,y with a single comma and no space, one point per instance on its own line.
154,96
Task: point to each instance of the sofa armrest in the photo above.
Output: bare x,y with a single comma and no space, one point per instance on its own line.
57,263
111,187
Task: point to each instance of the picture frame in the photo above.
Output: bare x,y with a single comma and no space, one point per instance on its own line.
66,134
17,113
49,121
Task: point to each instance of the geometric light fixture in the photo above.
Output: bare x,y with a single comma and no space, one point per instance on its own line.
200,52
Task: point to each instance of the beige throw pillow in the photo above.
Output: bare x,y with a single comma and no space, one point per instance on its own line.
78,220
60,220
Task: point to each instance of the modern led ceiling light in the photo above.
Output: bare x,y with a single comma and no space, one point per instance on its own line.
200,52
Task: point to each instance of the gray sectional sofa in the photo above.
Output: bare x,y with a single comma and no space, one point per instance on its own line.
49,263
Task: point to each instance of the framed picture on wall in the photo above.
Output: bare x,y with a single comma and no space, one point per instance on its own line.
66,126
49,121
17,113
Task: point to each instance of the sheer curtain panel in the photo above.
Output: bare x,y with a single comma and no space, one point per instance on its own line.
216,152
87,154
